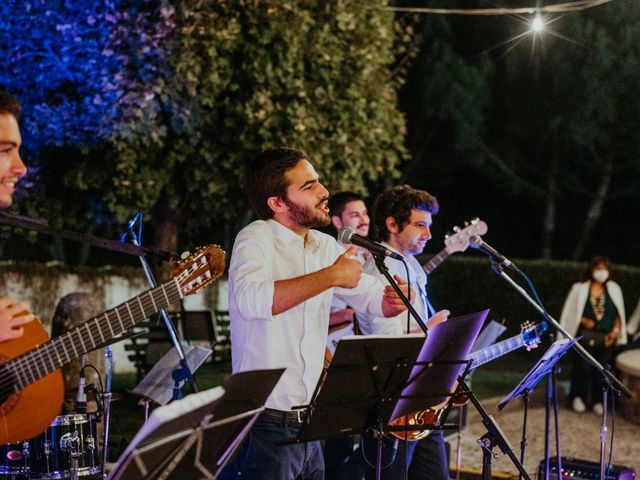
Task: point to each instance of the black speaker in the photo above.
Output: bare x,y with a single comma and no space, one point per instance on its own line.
576,469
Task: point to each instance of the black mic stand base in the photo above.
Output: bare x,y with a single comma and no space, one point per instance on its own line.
493,437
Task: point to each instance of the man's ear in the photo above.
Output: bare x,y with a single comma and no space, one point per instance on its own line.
336,221
276,204
392,226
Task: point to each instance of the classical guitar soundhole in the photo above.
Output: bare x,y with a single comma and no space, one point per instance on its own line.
8,394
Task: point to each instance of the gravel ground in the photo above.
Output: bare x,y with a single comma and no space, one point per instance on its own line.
579,437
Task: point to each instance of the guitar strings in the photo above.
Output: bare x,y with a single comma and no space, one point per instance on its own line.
9,377
20,369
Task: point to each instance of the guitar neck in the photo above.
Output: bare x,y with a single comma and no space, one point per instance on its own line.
44,359
435,262
496,350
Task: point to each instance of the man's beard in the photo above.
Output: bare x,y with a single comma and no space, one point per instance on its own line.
307,217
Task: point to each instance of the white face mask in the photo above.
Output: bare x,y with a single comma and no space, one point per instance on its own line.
600,275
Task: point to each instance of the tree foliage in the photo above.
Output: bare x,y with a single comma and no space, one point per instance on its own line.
170,98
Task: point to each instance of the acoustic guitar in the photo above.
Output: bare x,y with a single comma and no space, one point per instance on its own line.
31,386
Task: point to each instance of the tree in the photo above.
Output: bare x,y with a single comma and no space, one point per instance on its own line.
581,108
190,89
246,75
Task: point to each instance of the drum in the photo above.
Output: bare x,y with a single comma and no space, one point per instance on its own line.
69,447
14,461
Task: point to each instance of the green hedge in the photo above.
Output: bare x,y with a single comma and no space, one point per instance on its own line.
465,284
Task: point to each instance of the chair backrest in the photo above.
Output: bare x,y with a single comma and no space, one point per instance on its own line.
198,325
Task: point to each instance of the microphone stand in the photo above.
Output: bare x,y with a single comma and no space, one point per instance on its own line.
106,395
184,367
384,270
609,378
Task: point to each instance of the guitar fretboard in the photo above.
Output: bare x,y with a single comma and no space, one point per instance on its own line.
435,262
94,333
496,350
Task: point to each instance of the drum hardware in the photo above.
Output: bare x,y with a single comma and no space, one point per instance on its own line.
66,450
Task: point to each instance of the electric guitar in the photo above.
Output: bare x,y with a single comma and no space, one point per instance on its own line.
529,337
456,242
31,386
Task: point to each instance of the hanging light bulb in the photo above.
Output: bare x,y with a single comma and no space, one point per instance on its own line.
537,24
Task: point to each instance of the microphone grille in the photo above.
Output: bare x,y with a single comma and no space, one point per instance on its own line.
345,234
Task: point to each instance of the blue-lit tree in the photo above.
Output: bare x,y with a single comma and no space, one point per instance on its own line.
154,105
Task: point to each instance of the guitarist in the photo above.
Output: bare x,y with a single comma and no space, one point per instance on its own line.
12,315
402,217
346,209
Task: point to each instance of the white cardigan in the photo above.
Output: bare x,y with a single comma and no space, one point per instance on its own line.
576,300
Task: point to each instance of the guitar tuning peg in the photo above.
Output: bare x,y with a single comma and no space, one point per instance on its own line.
456,229
447,235
475,220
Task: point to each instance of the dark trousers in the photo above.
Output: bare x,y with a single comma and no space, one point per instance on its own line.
430,459
259,458
338,453
396,457
586,381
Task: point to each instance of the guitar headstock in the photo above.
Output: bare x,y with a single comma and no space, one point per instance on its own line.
459,240
200,268
531,333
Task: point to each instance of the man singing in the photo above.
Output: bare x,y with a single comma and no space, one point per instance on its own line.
282,278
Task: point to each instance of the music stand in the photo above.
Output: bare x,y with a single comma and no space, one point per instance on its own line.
388,376
195,437
539,370
542,368
159,384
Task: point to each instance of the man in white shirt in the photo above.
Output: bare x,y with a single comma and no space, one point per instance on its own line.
346,210
402,217
282,278
13,315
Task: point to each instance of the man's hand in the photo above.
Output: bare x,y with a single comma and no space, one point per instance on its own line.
346,270
392,304
438,317
12,318
340,317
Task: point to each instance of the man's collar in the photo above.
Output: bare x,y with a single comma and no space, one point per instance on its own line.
286,236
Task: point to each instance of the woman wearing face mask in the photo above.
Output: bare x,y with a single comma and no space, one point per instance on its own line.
594,309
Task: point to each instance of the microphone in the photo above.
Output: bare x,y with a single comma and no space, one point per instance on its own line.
479,244
81,396
348,237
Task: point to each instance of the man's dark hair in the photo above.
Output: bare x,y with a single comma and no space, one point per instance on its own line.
9,104
397,202
338,201
264,177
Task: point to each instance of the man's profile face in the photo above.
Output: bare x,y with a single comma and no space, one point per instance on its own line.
354,216
414,235
306,198
11,166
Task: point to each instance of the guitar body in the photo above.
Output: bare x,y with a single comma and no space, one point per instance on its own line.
29,412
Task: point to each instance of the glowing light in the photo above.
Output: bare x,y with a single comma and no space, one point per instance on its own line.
537,24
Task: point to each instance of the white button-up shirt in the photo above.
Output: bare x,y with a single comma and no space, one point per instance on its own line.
375,325
264,252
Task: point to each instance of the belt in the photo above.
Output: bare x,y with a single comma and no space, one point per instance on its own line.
295,416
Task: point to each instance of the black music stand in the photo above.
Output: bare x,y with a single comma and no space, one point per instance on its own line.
541,369
160,384
374,379
196,436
